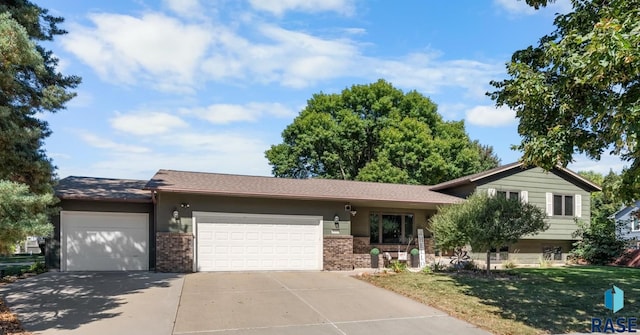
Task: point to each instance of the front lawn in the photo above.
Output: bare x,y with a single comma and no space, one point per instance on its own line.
522,301
21,258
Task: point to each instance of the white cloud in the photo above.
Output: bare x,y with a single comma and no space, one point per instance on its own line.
226,152
279,7
158,48
185,8
161,51
294,59
228,113
490,116
104,143
606,163
147,123
426,73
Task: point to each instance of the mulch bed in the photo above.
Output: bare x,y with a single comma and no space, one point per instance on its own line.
9,323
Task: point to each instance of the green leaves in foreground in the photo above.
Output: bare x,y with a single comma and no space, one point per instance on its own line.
22,214
578,90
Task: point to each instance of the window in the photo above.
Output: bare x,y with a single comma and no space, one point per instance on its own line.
501,254
563,205
390,228
513,195
552,253
635,224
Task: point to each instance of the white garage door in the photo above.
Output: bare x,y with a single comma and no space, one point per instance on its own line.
250,242
97,241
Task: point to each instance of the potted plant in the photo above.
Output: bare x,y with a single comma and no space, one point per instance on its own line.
374,257
415,258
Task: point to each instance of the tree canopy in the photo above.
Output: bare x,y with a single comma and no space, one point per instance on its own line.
484,222
578,90
376,132
598,241
29,84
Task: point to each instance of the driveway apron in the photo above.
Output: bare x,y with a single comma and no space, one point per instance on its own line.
303,303
96,303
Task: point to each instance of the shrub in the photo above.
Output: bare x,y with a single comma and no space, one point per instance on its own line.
468,266
509,264
545,262
38,268
375,252
397,266
438,267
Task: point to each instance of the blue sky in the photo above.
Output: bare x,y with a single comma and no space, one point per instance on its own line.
210,85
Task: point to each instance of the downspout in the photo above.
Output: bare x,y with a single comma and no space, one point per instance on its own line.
154,200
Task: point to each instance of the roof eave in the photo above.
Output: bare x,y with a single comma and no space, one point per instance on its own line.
300,197
129,200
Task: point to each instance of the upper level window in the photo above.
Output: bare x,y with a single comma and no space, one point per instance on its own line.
567,205
563,205
390,228
513,195
635,224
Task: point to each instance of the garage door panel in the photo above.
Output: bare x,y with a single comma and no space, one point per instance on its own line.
294,244
95,241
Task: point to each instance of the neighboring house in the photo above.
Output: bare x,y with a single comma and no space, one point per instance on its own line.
628,224
191,221
563,194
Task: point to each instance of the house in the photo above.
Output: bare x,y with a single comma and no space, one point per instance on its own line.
628,224
191,221
563,194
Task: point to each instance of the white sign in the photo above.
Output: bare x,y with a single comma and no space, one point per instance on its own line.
423,259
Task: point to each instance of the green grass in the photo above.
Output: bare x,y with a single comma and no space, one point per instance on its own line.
10,268
21,258
522,301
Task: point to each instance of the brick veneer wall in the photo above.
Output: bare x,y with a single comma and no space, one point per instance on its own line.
338,252
361,245
174,252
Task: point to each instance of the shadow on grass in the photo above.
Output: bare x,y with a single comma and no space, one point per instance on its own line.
68,300
555,300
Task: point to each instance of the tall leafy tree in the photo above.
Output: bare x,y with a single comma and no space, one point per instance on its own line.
578,90
29,84
484,223
376,132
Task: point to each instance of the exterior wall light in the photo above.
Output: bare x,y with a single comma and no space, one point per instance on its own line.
336,220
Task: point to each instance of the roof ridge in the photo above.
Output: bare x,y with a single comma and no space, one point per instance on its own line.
287,178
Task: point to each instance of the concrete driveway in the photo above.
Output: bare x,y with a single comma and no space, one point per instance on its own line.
97,303
219,303
303,303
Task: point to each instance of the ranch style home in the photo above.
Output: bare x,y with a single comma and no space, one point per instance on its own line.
191,221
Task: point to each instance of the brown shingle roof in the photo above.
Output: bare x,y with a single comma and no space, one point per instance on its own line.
105,189
519,165
327,189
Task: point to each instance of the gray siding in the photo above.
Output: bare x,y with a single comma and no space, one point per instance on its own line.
529,251
537,182
168,202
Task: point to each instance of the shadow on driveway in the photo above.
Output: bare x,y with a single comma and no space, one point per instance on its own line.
68,301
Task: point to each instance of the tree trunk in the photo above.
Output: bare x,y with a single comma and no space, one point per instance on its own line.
488,261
